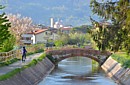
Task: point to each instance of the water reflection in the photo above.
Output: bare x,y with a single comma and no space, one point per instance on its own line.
76,71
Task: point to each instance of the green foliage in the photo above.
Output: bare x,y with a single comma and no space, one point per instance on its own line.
32,63
41,57
77,35
29,53
127,64
37,48
81,29
10,74
37,51
49,56
6,40
4,32
80,38
122,58
8,44
114,36
95,66
58,43
73,38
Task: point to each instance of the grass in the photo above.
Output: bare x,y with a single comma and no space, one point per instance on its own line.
122,58
94,66
10,74
6,63
17,70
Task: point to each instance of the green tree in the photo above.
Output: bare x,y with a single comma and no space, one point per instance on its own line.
8,44
72,39
76,38
4,26
116,35
58,43
81,29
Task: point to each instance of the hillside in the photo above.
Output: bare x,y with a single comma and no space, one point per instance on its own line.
72,12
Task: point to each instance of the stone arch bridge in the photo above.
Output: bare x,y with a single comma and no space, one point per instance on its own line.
61,54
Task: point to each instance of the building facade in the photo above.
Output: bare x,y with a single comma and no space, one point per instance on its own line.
38,36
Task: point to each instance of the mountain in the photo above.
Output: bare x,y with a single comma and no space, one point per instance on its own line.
71,12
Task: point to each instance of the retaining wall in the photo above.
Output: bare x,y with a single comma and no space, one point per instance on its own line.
116,72
32,75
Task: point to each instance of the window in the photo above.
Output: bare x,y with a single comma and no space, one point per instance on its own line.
28,38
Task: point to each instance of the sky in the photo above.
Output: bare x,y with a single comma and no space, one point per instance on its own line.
71,12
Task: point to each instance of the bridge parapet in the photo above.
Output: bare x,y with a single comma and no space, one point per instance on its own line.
79,50
99,56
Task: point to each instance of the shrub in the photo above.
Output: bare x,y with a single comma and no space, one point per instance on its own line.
58,43
127,64
39,50
49,56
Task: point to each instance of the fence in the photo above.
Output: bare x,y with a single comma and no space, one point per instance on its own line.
4,56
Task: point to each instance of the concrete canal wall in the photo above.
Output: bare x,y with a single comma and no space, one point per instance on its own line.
32,75
116,72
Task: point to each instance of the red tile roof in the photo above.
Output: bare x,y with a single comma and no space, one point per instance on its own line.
37,31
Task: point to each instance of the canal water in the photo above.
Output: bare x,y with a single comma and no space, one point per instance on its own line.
77,71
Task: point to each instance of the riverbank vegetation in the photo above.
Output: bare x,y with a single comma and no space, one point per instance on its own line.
113,32
78,36
36,48
122,58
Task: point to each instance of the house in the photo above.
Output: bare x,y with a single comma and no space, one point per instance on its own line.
38,36
66,30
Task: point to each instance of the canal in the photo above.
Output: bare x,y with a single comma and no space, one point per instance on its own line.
77,71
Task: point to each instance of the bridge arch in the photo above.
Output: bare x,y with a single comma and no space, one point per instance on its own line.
61,54
69,56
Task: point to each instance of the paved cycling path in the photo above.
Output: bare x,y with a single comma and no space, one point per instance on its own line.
19,64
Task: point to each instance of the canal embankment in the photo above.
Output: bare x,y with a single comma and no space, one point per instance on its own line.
115,71
32,75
